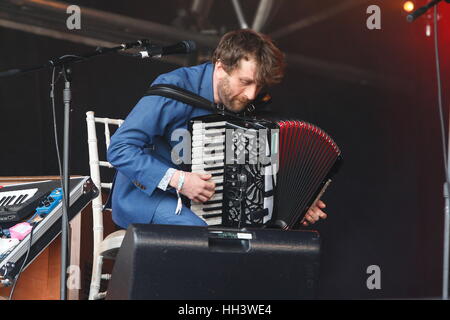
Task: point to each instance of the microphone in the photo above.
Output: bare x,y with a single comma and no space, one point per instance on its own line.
183,47
414,15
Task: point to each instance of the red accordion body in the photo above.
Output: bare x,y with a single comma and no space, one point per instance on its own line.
308,158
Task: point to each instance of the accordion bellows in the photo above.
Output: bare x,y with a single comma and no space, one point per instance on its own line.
308,157
268,172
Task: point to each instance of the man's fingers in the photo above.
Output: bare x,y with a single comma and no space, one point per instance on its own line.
314,214
208,194
319,213
205,176
310,219
210,185
321,204
200,198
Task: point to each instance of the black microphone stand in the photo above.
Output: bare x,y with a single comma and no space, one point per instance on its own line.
67,97
446,192
64,62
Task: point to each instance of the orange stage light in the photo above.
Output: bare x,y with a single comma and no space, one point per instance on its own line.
408,6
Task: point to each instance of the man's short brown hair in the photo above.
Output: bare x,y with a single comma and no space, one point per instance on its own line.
247,44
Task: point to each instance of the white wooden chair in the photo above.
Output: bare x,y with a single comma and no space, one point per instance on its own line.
104,247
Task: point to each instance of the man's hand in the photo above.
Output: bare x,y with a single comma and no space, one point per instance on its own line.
314,214
196,186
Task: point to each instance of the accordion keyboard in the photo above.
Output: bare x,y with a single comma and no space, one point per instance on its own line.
208,156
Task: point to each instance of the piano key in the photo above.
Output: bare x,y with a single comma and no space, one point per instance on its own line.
208,160
208,169
200,212
210,131
211,212
202,143
204,209
10,201
216,174
198,154
6,200
216,196
203,167
213,135
216,148
214,221
214,201
211,215
23,199
201,125
201,137
19,198
206,144
210,209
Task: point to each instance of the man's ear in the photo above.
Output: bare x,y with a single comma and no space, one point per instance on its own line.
220,71
219,66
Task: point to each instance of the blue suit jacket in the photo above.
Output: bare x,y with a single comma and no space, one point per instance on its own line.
140,149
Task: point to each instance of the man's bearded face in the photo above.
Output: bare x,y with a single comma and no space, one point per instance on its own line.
232,101
239,87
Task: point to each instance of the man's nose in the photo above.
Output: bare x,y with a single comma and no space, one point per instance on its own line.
251,92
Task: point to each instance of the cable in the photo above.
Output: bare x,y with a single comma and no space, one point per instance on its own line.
52,96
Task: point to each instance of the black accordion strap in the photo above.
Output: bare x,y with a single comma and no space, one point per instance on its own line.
173,92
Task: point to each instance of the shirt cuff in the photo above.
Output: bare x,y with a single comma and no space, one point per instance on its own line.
166,179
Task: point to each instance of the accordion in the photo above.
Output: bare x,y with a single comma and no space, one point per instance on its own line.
267,172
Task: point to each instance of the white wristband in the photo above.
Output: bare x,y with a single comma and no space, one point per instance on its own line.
179,187
180,181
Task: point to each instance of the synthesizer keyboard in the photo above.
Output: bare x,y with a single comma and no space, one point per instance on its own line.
82,191
18,202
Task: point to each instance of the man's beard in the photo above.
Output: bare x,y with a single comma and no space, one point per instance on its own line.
234,104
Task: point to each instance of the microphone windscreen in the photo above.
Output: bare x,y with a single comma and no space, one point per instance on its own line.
190,46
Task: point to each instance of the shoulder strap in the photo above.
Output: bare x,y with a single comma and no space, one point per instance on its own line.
173,92
183,95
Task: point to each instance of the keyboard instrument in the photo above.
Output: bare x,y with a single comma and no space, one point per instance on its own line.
82,191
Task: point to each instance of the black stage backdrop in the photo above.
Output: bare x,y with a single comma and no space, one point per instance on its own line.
385,206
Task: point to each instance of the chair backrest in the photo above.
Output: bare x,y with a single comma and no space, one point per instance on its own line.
94,164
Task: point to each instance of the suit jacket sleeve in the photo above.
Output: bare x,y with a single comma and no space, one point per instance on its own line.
150,118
